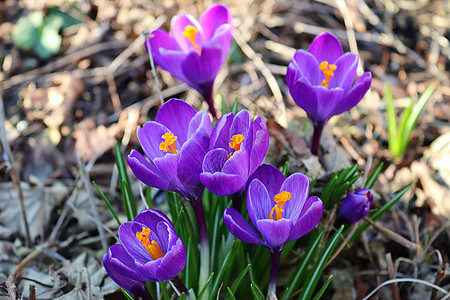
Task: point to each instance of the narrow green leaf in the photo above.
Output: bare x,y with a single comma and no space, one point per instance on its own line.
234,108
230,294
223,108
214,242
226,264
164,292
372,178
318,267
285,169
125,186
205,287
295,280
286,249
393,140
323,288
414,116
251,272
151,288
237,282
148,196
182,296
107,203
256,291
404,119
127,295
313,184
378,214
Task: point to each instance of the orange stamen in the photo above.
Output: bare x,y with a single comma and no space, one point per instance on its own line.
328,71
280,199
169,143
190,32
152,247
235,143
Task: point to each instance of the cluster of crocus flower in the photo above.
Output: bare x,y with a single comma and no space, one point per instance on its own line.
355,206
150,251
195,50
321,82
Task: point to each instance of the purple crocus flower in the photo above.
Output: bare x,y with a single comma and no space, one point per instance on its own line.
150,251
320,81
238,148
355,206
195,50
175,145
278,207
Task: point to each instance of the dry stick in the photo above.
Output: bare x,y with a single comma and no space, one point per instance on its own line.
392,275
349,236
147,37
271,81
85,177
8,158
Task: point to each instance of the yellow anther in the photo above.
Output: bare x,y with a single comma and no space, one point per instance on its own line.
190,32
235,143
327,71
169,143
280,199
152,247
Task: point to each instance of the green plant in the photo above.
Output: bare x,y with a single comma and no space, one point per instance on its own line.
399,134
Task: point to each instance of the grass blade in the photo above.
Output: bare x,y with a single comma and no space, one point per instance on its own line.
127,295
107,203
205,287
226,264
256,291
125,186
393,140
372,178
237,282
323,288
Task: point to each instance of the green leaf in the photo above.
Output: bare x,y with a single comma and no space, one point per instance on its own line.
226,264
107,203
377,214
26,30
60,19
394,139
48,44
411,123
237,282
127,295
323,288
125,186
372,178
285,169
205,287
234,108
316,271
299,273
256,291
230,294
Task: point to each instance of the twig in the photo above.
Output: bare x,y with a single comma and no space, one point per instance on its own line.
344,243
85,178
147,37
413,280
271,81
8,158
392,275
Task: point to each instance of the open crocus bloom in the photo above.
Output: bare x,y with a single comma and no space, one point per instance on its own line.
175,145
150,251
195,50
320,80
355,206
278,207
238,148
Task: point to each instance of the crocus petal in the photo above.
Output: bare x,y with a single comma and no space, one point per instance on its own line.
214,160
150,268
200,123
309,218
151,218
345,72
215,16
275,233
260,143
355,95
271,178
202,68
175,115
298,185
171,60
135,287
173,262
147,172
168,166
119,259
259,204
304,96
326,47
239,227
327,100
127,234
306,65
237,164
222,184
177,27
190,163
220,134
161,39
223,36
150,138
241,124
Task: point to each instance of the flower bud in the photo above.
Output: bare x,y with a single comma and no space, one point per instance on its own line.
355,206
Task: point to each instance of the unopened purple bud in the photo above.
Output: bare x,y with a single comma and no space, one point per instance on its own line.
355,206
